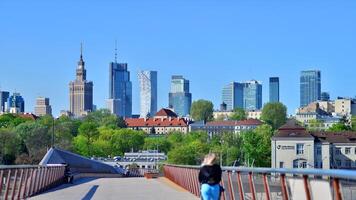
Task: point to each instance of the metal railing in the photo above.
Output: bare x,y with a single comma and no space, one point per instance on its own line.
21,182
266,184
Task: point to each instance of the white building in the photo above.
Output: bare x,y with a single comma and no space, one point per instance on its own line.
148,93
295,147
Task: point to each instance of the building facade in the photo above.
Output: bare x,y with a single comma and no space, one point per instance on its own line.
15,104
148,93
310,87
232,96
180,99
80,91
4,96
120,90
274,89
164,122
43,107
252,96
295,147
325,96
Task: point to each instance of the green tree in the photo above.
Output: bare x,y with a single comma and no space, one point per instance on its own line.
160,142
238,114
202,110
257,146
88,130
315,124
104,118
339,127
9,144
125,140
353,122
274,114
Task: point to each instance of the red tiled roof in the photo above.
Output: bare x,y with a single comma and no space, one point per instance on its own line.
150,122
247,122
164,112
28,116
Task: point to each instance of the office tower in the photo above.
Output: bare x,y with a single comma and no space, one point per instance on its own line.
180,99
42,107
148,93
120,89
80,91
325,96
273,89
15,104
252,95
232,96
310,87
4,96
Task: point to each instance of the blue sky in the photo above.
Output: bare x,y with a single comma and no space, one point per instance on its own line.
210,42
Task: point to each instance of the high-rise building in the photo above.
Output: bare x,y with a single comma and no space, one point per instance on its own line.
180,99
148,93
42,107
232,96
252,95
120,89
246,95
325,96
80,91
15,104
4,96
310,87
273,89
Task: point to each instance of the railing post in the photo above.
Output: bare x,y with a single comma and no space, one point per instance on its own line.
19,186
266,186
284,187
337,191
223,185
252,187
239,183
306,187
7,186
231,193
25,184
1,180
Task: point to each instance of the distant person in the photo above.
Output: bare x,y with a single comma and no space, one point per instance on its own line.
209,178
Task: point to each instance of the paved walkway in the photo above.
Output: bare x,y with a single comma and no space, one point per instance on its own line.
118,188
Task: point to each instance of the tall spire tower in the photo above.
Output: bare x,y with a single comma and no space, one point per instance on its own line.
81,90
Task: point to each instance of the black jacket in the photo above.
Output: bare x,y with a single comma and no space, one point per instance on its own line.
210,174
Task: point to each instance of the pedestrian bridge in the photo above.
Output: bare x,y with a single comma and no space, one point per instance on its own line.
177,182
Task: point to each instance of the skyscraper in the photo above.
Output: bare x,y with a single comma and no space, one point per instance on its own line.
42,107
310,87
148,93
4,96
273,89
120,89
325,96
80,91
232,96
180,99
252,95
15,104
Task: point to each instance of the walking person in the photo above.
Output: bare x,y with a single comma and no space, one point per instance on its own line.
209,178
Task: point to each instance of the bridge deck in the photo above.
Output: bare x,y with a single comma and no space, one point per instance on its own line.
117,188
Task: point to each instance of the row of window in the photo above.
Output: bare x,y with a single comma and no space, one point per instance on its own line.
347,150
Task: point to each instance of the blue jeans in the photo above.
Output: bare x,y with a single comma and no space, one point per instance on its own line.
210,192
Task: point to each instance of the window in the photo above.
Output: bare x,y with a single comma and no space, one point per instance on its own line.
348,163
337,150
303,165
300,149
281,164
338,163
318,151
347,150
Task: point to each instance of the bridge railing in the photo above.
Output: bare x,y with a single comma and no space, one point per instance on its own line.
265,183
21,182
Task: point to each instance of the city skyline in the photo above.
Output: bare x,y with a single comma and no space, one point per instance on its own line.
42,58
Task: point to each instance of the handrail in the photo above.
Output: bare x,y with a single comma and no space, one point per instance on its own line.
335,173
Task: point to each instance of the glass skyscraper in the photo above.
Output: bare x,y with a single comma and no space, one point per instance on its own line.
180,99
310,87
120,90
273,89
148,93
232,95
252,96
4,96
247,95
15,104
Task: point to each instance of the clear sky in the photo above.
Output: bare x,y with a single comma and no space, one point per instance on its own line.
209,42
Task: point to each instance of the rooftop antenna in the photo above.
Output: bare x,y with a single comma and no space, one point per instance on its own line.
115,51
81,51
